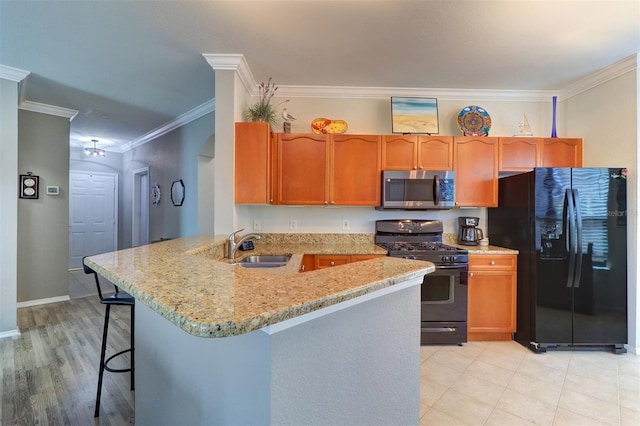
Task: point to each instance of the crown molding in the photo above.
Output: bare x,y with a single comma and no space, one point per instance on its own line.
343,92
181,120
623,66
233,62
13,74
48,109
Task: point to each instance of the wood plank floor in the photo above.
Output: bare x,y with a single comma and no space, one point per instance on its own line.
50,372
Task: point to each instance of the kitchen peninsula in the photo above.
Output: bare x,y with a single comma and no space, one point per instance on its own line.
218,344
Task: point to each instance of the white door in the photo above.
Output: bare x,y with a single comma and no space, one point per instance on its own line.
92,215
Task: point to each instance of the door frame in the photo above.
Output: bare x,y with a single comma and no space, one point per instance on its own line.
135,203
115,202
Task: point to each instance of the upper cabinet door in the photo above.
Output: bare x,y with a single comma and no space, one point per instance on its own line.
302,169
355,170
435,152
407,152
519,154
562,152
253,156
399,152
476,167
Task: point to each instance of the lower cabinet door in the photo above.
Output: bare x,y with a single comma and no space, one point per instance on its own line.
492,301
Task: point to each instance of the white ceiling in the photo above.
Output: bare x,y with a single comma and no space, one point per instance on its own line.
130,67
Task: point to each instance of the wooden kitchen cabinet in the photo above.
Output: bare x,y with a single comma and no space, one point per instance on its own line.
302,165
562,152
523,154
492,297
329,260
355,165
519,154
333,169
253,162
476,167
406,152
319,261
308,263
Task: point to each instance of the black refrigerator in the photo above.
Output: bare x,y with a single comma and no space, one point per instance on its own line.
570,227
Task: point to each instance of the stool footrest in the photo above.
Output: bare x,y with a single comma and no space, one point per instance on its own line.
116,370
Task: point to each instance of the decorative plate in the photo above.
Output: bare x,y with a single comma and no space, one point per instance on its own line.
321,126
474,121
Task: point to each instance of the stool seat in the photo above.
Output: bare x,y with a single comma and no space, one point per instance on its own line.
119,298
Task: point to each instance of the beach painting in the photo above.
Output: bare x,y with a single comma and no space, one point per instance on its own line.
414,115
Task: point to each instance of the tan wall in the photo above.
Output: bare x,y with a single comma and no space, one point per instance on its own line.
43,223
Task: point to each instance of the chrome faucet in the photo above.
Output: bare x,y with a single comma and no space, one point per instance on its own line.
232,247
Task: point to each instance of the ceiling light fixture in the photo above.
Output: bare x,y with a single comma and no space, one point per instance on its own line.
96,152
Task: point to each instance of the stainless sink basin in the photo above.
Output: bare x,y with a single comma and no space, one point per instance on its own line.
261,265
266,258
264,261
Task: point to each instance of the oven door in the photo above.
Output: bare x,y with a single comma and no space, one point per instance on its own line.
444,305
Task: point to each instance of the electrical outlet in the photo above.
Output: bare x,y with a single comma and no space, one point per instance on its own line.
293,224
257,225
346,225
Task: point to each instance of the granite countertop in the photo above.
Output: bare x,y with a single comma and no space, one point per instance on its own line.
487,249
452,240
188,281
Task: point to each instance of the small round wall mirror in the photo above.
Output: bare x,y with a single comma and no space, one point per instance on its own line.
177,192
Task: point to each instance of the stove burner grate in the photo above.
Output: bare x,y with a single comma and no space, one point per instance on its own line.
420,246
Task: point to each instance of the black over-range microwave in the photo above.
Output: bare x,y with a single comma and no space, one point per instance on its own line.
417,189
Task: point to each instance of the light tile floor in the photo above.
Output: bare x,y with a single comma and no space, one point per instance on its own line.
504,383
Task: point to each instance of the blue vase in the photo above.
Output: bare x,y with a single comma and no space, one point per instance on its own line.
553,124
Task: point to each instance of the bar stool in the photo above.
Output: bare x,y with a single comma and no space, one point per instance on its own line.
118,298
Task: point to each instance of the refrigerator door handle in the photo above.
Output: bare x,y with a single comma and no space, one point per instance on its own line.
570,230
578,271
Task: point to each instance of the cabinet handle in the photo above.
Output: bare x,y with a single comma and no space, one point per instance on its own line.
493,262
332,202
326,202
414,167
470,274
302,268
332,263
420,167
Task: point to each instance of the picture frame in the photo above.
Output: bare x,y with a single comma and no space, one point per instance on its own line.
28,186
413,115
177,192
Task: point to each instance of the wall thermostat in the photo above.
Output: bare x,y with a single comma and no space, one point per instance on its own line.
53,190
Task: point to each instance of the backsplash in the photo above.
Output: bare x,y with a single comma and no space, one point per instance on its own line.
316,219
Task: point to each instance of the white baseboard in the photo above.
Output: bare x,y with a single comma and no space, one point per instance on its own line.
10,333
43,301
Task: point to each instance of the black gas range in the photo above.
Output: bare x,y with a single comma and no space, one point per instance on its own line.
444,291
419,240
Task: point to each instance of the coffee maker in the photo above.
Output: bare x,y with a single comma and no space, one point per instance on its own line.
469,234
